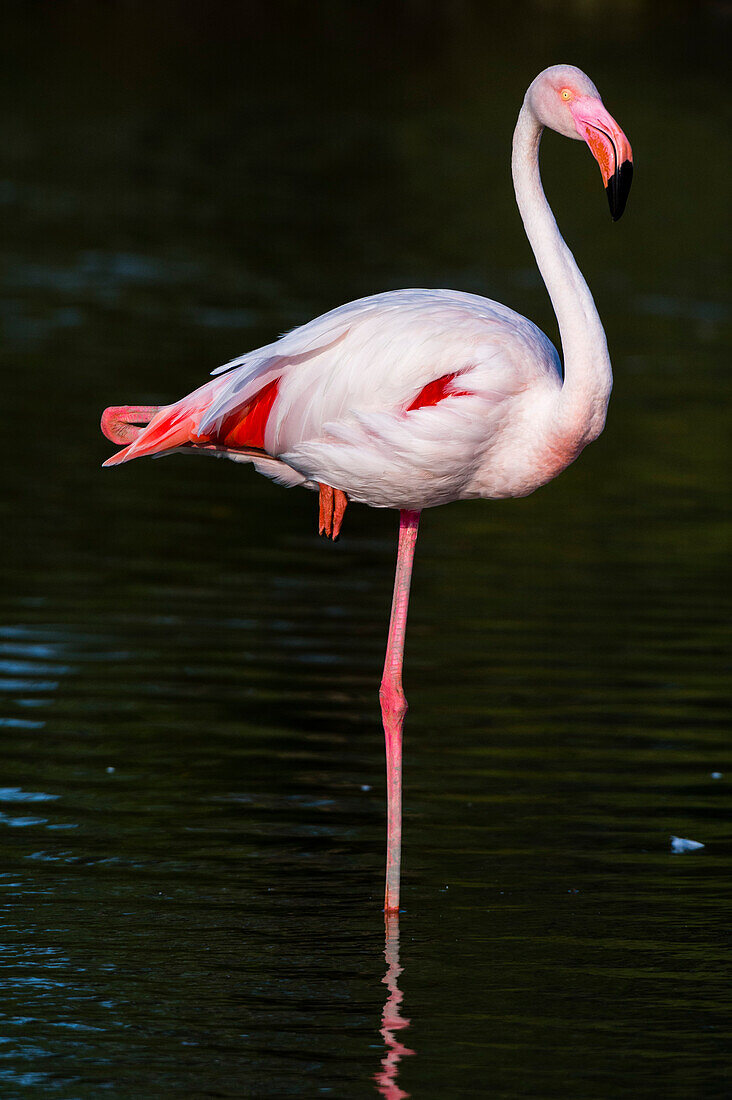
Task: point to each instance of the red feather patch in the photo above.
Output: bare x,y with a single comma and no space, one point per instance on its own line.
436,391
246,428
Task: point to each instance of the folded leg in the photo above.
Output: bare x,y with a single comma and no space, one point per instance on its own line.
331,508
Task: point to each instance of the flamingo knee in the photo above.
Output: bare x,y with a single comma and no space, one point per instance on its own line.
394,704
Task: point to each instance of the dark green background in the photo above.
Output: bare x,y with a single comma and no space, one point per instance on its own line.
180,182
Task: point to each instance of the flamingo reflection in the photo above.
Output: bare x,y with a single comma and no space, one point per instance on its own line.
391,1020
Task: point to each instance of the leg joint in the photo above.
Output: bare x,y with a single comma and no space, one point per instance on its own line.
393,701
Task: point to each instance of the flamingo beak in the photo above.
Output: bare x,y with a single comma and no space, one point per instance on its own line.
610,148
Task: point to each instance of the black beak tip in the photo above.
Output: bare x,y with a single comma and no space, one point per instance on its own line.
618,189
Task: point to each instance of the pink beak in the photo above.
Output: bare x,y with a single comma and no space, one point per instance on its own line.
610,148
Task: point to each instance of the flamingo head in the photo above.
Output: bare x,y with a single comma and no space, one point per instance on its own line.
565,99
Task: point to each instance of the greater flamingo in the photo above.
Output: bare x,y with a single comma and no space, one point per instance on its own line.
414,398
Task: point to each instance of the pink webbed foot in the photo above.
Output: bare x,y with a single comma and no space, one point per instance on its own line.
122,423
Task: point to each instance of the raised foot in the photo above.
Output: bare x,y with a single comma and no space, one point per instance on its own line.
123,423
331,509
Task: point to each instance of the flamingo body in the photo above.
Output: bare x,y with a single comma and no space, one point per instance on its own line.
415,398
347,403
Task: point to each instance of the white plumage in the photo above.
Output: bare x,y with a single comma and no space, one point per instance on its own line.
341,400
348,377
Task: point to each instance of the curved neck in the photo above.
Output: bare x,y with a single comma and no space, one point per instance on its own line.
587,374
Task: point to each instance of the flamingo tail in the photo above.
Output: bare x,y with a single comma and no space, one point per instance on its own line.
151,430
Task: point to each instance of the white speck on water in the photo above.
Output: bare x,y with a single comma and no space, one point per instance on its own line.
110,770
680,844
716,775
365,787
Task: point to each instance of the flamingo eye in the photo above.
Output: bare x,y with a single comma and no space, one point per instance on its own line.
566,94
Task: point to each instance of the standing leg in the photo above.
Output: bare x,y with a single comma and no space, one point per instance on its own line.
394,705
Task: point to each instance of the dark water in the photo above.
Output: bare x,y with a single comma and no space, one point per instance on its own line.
192,802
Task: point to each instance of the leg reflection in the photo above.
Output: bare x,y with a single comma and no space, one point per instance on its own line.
391,1020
